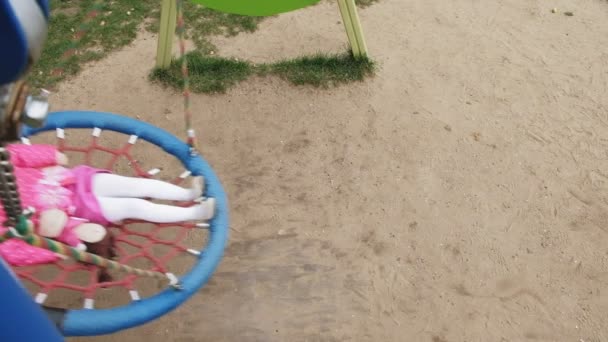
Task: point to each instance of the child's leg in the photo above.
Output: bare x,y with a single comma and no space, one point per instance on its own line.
118,209
110,185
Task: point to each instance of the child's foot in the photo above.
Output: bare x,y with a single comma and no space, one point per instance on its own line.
206,209
198,186
52,223
90,232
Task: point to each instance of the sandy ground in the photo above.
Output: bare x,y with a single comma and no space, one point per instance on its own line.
460,195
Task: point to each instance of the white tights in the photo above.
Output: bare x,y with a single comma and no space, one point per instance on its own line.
120,198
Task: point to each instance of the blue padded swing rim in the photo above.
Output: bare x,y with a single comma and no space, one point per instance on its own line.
89,322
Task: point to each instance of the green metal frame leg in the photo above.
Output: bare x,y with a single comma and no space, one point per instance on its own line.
353,27
168,18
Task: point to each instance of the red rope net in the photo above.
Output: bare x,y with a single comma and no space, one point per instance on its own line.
135,241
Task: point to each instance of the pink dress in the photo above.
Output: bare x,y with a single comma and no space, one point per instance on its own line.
45,185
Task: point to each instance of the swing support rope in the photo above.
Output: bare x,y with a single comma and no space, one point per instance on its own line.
22,230
181,31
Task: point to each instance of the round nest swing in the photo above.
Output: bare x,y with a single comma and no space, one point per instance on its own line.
89,320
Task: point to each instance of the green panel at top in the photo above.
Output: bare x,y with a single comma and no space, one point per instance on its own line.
256,7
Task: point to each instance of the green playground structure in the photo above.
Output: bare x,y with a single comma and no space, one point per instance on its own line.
168,20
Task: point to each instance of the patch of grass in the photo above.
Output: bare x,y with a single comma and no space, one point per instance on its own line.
216,74
208,74
323,70
365,3
115,26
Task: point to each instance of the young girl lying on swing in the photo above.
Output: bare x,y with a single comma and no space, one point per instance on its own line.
72,205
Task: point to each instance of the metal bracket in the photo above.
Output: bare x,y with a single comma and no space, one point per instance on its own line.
18,107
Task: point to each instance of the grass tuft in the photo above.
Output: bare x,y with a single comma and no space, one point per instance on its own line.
216,74
207,74
365,3
323,70
115,26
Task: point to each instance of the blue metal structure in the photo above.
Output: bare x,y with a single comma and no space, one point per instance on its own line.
21,319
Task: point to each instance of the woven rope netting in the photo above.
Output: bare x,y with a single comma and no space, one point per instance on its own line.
166,248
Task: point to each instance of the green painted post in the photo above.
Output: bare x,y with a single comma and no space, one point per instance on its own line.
168,18
354,18
348,25
352,24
